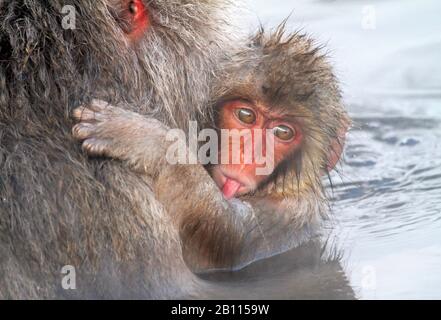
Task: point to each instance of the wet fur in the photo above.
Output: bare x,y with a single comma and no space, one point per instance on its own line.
288,74
57,207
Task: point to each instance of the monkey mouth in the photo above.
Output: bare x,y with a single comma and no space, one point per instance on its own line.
230,186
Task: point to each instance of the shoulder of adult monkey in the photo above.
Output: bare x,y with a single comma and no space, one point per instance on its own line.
58,208
93,44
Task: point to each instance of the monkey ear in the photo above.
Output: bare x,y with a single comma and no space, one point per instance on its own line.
134,18
336,149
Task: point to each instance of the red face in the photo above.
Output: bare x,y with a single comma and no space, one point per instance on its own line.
236,179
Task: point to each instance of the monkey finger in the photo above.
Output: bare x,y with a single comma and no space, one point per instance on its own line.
96,147
84,114
104,107
83,130
89,114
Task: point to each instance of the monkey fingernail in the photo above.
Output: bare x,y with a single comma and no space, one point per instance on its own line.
77,112
95,147
84,114
82,131
101,106
91,114
99,103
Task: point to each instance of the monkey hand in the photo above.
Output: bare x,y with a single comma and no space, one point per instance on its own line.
109,131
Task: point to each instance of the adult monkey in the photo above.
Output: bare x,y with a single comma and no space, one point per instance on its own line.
58,208
280,86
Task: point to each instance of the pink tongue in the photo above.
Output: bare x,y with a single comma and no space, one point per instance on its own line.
230,188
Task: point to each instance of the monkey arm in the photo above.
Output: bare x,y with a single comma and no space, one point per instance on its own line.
215,233
221,234
116,133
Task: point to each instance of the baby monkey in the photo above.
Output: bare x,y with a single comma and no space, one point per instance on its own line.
280,95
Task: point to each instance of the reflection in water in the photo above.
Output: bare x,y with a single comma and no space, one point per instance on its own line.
302,273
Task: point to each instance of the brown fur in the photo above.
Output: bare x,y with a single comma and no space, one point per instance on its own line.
59,208
287,73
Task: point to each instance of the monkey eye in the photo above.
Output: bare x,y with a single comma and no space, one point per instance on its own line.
284,133
247,116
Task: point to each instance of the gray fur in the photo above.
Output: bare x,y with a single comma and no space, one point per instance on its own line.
275,71
59,208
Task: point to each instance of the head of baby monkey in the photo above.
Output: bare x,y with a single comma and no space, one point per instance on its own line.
279,96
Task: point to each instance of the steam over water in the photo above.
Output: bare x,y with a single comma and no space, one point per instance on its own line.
388,201
386,225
